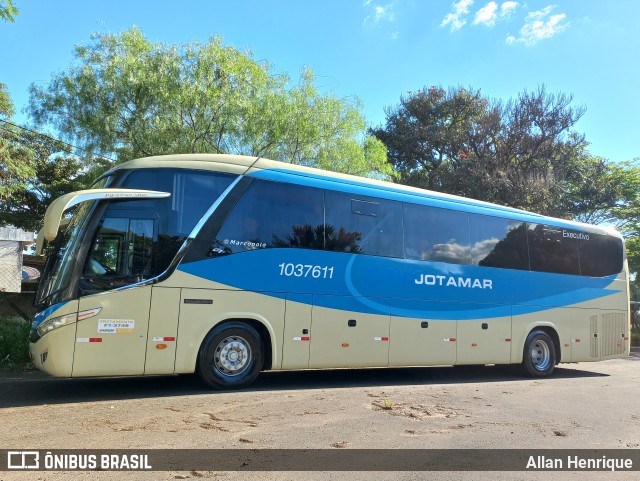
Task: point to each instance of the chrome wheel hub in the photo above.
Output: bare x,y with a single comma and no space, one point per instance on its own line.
232,356
540,355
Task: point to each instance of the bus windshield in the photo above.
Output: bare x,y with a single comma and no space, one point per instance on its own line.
60,263
57,271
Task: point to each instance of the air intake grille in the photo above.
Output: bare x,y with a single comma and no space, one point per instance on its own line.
594,337
611,336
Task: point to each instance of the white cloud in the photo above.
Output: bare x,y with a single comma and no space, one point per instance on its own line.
507,8
456,18
540,25
384,13
380,12
487,15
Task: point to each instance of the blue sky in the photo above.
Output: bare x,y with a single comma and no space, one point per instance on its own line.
377,50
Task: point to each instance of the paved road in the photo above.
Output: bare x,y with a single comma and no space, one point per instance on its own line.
591,405
35,388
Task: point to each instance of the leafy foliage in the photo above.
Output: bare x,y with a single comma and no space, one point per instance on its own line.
7,11
6,105
128,96
55,175
35,169
16,160
13,343
613,197
521,153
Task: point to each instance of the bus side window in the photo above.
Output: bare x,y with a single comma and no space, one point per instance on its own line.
273,214
434,234
552,250
600,255
497,242
363,225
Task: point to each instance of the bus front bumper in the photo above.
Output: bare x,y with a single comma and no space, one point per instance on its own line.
53,353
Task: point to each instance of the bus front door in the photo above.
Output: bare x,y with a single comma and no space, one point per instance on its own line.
114,341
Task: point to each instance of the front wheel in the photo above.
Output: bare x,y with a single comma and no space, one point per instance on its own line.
539,354
230,356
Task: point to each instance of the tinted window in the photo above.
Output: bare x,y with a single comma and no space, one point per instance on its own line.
363,225
498,242
273,214
436,234
121,254
192,193
60,265
600,255
553,249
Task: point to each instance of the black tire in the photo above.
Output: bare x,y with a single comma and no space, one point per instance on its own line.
231,356
539,354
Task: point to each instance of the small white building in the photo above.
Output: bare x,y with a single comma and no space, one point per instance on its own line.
12,242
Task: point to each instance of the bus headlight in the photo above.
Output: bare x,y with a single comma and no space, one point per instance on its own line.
55,323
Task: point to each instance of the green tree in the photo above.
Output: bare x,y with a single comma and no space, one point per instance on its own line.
621,209
56,173
6,104
16,160
427,132
521,153
130,97
633,258
612,197
7,10
34,170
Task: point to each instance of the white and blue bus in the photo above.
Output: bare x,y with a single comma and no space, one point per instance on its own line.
230,265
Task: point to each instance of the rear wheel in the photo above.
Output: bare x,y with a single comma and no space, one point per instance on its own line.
539,354
230,356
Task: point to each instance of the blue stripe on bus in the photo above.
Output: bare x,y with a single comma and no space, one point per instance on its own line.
381,285
389,193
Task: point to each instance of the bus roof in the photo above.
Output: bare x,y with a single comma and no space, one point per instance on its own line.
241,164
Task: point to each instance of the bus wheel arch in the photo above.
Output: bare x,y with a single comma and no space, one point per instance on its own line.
541,352
265,335
233,353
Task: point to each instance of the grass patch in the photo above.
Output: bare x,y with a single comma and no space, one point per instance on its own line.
14,344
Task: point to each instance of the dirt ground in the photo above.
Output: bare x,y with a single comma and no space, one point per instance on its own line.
582,406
